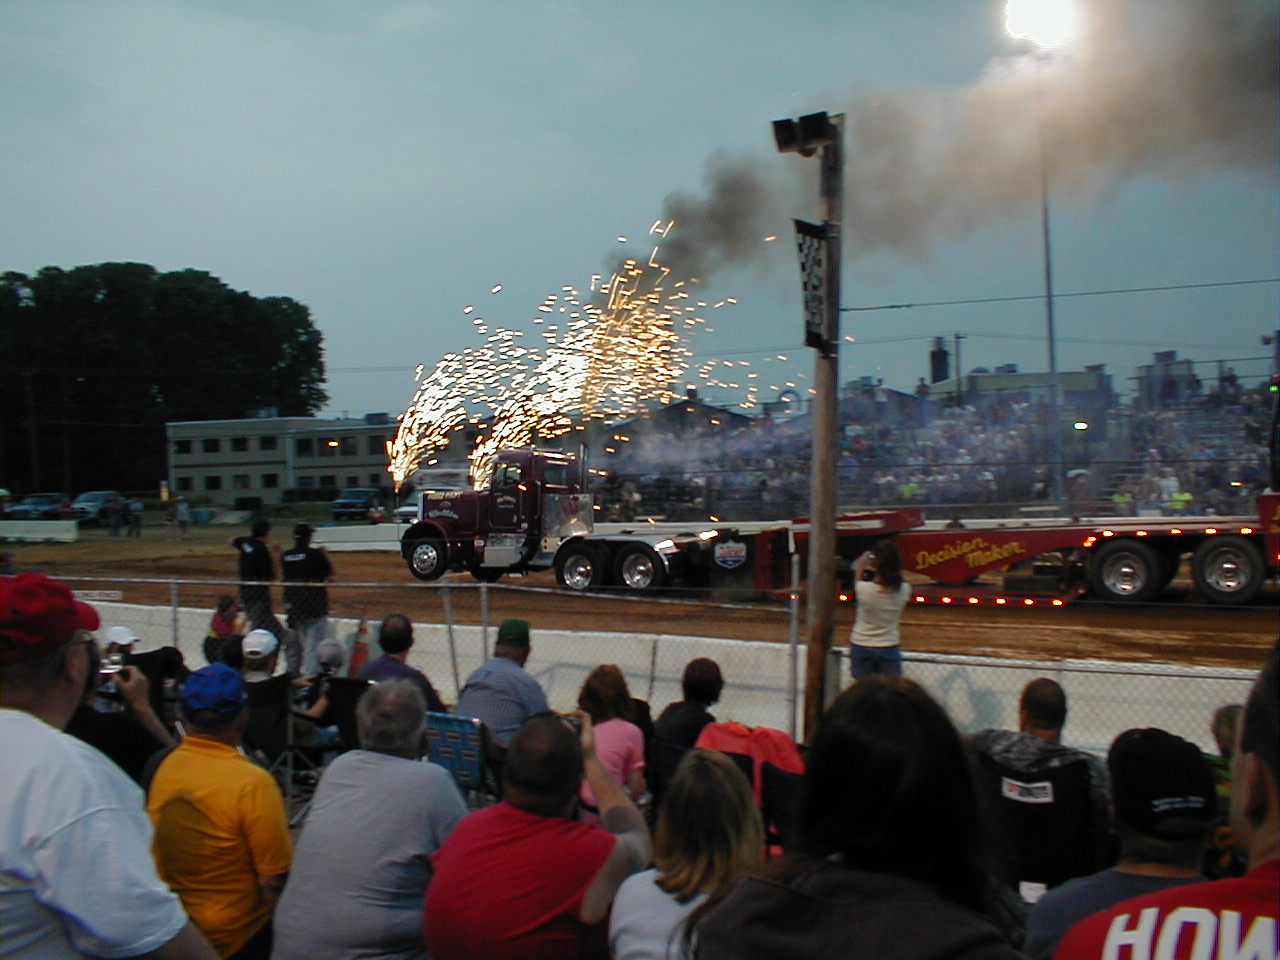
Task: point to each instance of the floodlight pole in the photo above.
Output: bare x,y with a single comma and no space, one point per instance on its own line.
821,597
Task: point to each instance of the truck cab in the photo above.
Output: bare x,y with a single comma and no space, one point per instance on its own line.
533,501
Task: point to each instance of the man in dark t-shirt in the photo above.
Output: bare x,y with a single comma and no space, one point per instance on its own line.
305,569
395,636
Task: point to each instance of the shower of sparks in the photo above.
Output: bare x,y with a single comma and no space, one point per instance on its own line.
605,355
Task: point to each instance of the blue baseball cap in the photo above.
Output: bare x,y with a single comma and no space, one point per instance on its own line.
216,687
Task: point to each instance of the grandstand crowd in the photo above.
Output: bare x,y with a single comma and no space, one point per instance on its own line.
1203,454
249,808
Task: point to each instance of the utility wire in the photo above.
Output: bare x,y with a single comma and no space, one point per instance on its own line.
1058,296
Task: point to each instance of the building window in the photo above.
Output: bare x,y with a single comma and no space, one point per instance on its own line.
211,445
353,481
213,483
239,444
328,481
348,446
270,481
266,443
328,448
375,446
184,483
182,446
306,483
375,480
240,481
305,447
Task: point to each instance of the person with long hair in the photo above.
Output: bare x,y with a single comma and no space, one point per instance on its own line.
881,592
709,833
604,697
890,856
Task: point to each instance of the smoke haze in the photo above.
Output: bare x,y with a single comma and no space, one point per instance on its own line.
1165,88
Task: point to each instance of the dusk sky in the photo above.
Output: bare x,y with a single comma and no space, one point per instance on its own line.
388,162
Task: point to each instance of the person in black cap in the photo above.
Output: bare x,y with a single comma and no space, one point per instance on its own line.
1163,800
307,607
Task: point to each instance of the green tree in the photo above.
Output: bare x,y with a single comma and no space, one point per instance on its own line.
96,359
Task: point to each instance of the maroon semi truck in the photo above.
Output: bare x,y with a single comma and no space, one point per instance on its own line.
536,515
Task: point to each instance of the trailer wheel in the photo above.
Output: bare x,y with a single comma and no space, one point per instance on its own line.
1126,570
1228,570
580,566
427,559
639,568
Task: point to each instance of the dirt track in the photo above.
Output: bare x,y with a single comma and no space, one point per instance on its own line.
1179,630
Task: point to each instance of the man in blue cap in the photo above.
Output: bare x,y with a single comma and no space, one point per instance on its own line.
222,837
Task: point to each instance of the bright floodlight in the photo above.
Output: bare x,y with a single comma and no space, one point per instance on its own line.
1046,23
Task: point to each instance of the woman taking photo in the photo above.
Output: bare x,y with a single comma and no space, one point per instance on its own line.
874,645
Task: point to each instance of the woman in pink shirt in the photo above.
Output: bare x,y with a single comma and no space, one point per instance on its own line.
619,743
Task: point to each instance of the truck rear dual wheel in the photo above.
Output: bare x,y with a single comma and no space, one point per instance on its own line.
580,566
639,567
1228,569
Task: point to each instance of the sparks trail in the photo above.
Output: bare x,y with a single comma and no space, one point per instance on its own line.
604,356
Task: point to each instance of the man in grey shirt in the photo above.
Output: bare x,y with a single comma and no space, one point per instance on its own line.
1164,795
500,692
363,862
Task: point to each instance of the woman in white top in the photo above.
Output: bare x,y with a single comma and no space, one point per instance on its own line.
709,833
882,594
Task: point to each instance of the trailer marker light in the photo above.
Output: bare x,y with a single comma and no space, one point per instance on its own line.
1210,529
1108,533
1089,541
974,600
946,599
920,600
1176,530
843,598
1246,530
1027,601
1056,602
1001,601
1140,533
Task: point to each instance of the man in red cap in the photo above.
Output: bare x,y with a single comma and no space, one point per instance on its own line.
75,858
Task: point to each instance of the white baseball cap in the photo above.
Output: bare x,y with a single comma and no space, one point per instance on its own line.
259,643
120,636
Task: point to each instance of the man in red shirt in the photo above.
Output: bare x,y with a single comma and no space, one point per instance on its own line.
524,879
1224,918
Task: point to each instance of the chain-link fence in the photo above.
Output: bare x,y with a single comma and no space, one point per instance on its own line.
454,628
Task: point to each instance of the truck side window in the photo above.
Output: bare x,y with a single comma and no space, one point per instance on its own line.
508,475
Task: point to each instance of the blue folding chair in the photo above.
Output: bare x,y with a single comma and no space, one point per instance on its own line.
458,744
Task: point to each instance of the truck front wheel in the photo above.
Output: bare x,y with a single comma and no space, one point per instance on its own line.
580,566
1228,569
1126,570
427,559
639,568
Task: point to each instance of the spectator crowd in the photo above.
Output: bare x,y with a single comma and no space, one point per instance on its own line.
143,826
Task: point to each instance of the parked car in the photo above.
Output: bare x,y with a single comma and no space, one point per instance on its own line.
39,506
354,503
91,507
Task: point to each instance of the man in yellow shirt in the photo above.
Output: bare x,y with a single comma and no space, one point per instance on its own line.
221,834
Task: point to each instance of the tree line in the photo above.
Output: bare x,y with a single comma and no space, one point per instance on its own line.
95,360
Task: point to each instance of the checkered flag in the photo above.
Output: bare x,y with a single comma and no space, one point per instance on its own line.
812,246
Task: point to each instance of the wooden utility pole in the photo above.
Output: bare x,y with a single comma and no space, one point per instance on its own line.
820,605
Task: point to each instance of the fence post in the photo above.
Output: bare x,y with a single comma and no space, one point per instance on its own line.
793,642
173,610
653,668
484,622
453,646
